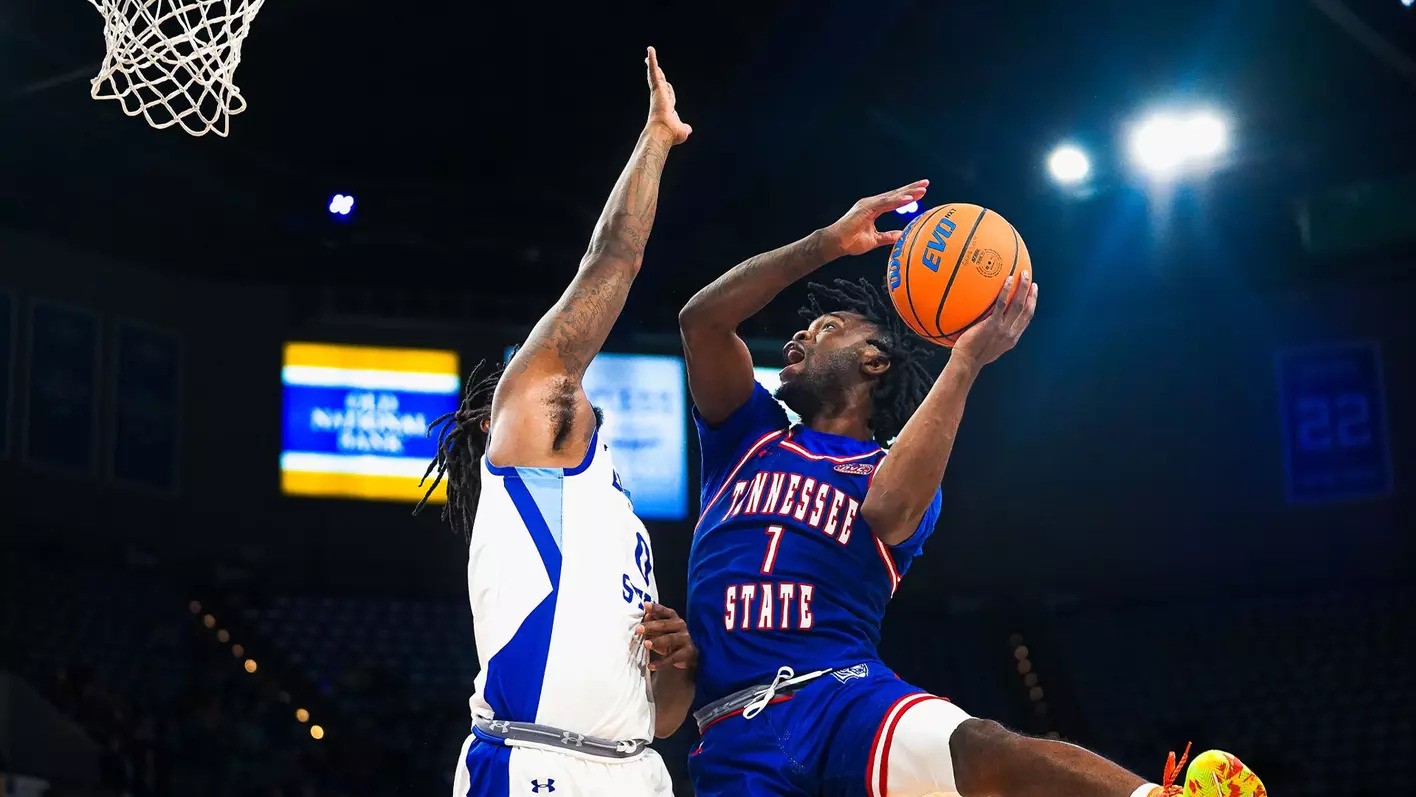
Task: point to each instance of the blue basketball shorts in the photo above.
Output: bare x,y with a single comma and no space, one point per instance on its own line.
841,735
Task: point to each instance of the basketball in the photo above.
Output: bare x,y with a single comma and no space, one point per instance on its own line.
949,265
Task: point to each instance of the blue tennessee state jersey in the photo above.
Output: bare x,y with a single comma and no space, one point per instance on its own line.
783,569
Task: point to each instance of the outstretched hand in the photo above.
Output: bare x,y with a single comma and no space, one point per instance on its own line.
662,103
665,636
855,233
987,340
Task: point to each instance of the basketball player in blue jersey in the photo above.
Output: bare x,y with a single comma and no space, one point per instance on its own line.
560,571
807,530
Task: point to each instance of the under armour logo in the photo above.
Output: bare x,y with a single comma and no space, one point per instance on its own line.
499,726
576,739
549,785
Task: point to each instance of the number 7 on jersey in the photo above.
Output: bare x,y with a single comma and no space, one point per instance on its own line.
770,558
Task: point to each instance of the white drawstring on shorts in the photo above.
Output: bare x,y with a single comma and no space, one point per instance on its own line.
785,677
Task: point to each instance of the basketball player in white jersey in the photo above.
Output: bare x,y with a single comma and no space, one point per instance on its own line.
560,572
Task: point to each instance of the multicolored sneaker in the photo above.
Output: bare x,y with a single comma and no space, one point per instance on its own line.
1213,773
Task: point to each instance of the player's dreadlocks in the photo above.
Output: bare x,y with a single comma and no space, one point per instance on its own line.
898,393
461,445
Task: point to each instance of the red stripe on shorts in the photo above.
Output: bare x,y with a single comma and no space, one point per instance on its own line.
877,777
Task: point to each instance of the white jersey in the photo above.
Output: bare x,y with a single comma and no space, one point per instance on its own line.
558,572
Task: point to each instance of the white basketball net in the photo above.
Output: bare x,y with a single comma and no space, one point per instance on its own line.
174,61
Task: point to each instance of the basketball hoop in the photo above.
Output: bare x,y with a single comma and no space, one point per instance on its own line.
174,61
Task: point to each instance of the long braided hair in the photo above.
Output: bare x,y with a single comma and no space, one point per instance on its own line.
461,446
898,393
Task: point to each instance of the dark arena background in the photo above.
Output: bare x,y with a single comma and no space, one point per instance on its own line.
1181,510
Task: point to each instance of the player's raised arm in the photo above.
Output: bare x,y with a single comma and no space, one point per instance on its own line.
540,414
719,364
907,479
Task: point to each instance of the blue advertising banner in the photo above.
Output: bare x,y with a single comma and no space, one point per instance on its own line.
356,418
1333,407
644,398
646,415
346,421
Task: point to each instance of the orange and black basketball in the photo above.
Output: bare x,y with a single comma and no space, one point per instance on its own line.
949,265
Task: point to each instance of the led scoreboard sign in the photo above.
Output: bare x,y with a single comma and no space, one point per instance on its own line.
1334,423
356,419
645,403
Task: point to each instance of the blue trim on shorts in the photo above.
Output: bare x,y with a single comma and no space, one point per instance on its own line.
488,769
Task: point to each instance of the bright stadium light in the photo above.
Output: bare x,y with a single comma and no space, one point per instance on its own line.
1165,144
1408,3
1157,145
905,210
341,205
1206,135
1068,165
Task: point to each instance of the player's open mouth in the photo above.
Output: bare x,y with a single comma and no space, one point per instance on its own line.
794,353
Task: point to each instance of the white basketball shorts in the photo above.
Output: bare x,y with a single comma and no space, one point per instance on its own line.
486,769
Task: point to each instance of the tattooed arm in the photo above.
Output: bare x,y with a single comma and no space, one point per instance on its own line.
719,364
540,414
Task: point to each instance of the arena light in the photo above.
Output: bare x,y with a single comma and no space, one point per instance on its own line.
1157,145
301,715
1166,144
251,665
906,210
1206,135
316,732
1408,3
341,205
1068,165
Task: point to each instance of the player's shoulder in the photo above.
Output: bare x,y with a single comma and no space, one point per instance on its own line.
759,411
595,460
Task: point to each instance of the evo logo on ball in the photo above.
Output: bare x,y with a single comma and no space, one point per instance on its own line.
934,250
